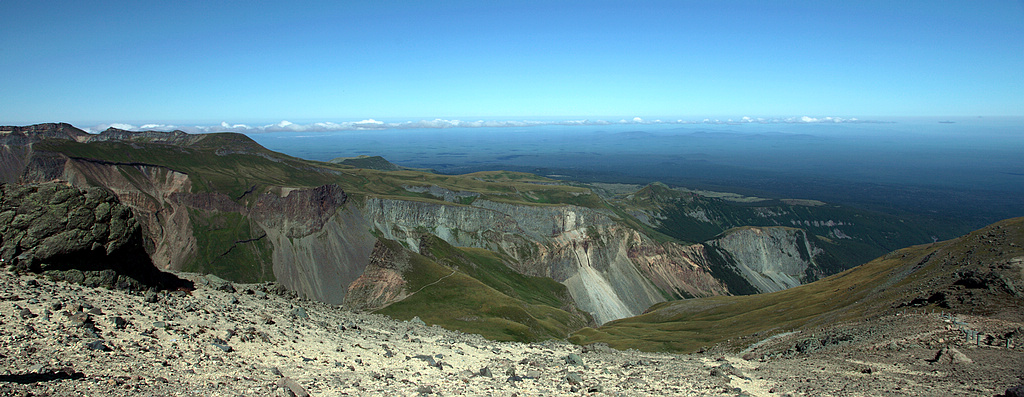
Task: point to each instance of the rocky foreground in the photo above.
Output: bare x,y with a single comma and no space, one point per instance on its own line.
220,339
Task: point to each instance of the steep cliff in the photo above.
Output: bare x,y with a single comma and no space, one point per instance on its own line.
770,258
320,245
608,268
550,252
208,203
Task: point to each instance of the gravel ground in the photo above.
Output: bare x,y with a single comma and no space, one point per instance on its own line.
227,340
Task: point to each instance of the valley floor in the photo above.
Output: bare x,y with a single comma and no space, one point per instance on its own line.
222,340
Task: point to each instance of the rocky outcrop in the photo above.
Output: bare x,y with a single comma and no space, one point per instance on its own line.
320,244
769,258
84,236
682,271
160,197
582,248
314,241
300,212
382,281
611,271
20,135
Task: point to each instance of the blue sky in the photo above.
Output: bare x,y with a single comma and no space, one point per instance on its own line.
254,62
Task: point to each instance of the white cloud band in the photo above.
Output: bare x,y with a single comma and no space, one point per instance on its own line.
371,124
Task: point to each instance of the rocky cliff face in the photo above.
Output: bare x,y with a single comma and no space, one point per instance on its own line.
319,243
381,282
682,271
612,271
769,258
304,238
608,268
161,200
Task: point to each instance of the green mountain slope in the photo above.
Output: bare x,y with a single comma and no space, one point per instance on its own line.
979,273
472,290
545,252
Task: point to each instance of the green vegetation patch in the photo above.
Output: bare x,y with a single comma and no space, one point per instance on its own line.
473,291
229,246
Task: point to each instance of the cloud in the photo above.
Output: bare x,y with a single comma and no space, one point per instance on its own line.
372,124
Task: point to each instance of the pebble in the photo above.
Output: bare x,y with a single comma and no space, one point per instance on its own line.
224,347
98,345
119,322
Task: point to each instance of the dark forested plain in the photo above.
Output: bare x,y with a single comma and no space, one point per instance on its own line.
953,176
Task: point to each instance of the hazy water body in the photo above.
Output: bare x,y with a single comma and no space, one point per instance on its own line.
984,157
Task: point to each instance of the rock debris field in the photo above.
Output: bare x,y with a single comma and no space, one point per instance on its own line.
223,339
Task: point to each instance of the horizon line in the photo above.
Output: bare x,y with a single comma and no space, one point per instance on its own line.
439,123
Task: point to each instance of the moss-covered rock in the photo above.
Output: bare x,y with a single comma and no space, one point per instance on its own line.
79,235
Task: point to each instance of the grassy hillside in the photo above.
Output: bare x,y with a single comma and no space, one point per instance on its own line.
472,290
212,167
230,246
975,273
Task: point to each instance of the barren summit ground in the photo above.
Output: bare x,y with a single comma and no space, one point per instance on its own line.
62,339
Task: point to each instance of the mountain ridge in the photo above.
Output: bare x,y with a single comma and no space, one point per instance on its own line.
221,203
974,274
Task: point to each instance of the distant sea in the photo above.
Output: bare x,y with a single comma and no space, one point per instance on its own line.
970,167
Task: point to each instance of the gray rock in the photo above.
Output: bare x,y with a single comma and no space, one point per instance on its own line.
425,389
727,369
950,355
1016,391
119,322
574,378
86,236
91,332
81,319
574,359
220,284
485,371
151,296
293,386
224,347
416,321
26,314
299,312
808,345
99,345
429,359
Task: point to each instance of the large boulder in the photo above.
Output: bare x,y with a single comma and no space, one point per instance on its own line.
79,235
